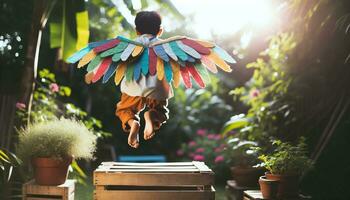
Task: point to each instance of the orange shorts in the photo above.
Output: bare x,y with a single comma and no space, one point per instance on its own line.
129,107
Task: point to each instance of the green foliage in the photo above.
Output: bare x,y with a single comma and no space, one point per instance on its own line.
8,161
240,152
205,146
265,91
56,139
47,105
69,26
287,158
199,108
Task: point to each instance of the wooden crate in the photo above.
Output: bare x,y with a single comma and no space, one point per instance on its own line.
32,191
154,181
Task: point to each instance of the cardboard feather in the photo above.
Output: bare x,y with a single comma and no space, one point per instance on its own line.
173,59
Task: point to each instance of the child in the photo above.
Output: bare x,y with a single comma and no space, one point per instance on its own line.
147,92
147,68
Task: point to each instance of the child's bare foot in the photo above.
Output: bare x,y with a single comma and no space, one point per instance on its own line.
133,139
149,128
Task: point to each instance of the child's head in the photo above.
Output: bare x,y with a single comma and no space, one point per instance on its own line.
148,22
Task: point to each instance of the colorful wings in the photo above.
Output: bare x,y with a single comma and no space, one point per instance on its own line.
177,58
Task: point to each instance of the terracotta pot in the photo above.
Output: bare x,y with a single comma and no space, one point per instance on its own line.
268,188
288,184
49,171
246,176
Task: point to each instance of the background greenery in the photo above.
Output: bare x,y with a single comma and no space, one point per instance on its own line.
289,83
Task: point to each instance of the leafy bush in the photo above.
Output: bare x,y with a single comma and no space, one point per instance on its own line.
57,139
287,159
206,147
241,152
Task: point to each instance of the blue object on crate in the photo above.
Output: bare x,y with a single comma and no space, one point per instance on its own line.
146,158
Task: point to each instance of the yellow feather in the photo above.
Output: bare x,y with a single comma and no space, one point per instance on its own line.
119,74
160,68
88,77
219,62
137,51
176,73
206,43
87,58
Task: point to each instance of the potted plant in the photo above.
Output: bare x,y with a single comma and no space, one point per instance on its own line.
243,155
286,164
51,146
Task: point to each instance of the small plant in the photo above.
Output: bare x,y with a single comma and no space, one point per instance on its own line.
287,159
56,139
242,152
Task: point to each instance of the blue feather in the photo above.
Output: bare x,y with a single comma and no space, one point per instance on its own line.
137,71
159,50
178,51
223,54
190,59
109,73
78,55
168,72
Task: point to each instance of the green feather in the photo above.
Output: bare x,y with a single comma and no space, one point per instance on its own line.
203,72
94,63
116,57
129,72
121,46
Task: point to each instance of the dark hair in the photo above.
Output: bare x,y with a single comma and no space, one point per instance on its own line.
148,22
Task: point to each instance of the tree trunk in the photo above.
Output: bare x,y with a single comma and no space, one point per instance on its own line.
39,19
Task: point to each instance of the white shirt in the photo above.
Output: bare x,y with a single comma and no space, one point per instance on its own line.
147,86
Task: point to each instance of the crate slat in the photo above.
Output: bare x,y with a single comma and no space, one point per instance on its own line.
159,195
153,179
147,167
147,164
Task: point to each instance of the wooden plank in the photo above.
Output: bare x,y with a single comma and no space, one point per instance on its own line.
147,170
151,195
153,179
202,167
146,167
148,164
65,189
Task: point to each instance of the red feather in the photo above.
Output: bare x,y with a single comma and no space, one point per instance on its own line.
186,77
152,61
106,46
102,69
196,46
196,76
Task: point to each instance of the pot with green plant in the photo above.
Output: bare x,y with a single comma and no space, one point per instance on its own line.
51,146
286,164
243,155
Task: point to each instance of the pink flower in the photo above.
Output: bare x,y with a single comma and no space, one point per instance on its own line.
198,157
201,132
217,137
179,152
192,143
54,87
200,150
218,149
211,136
20,106
254,93
219,159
